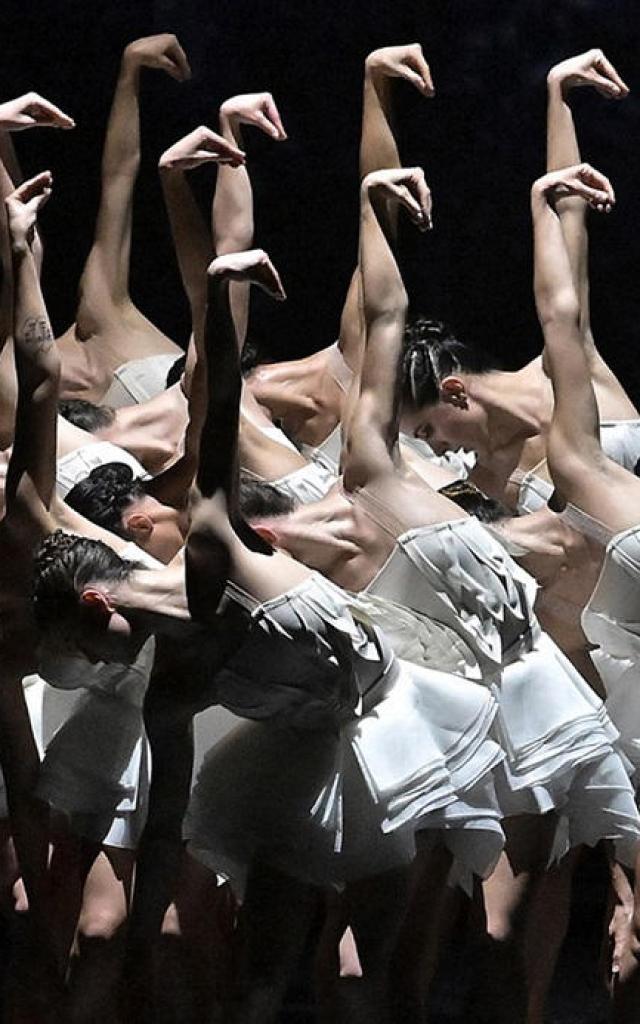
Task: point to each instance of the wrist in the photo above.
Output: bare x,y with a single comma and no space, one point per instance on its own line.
558,84
130,64
229,127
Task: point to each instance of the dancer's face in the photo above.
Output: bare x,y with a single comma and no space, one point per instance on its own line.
456,421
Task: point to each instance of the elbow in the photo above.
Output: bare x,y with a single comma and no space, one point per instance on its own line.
391,312
559,307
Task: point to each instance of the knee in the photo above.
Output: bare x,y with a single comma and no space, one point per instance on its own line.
501,929
349,960
100,922
171,921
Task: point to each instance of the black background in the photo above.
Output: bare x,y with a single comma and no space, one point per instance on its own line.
481,142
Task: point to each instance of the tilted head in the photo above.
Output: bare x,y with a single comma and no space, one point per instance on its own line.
73,598
113,498
438,403
86,415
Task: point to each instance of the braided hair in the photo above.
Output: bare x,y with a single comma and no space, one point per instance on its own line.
105,494
63,566
431,353
87,415
472,500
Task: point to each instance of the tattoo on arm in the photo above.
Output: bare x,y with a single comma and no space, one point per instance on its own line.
37,333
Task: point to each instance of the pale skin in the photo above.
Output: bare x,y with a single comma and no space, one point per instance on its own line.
505,417
302,393
109,330
333,541
583,475
215,551
32,511
29,490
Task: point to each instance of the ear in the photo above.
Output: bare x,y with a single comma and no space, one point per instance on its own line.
453,391
267,533
96,602
139,525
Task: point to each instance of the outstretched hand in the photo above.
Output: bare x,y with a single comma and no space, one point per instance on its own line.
23,206
581,180
407,187
32,111
590,68
257,109
402,62
201,146
162,52
253,266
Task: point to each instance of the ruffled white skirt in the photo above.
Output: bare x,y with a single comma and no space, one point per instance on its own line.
96,766
562,750
331,807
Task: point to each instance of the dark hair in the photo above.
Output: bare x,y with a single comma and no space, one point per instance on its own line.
175,371
64,565
473,501
85,414
104,495
431,353
258,499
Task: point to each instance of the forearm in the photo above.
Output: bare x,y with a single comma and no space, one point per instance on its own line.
232,208
219,437
121,152
575,417
31,472
563,151
191,237
378,148
384,308
232,223
554,289
37,358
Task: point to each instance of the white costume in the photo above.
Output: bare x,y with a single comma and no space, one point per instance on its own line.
139,380
459,462
611,622
77,465
555,732
97,764
356,750
327,454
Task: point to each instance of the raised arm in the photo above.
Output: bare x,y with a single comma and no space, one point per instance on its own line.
232,209
372,435
191,236
588,69
105,279
574,440
31,473
28,111
193,249
378,151
217,463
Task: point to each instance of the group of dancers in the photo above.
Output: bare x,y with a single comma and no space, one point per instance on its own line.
336,654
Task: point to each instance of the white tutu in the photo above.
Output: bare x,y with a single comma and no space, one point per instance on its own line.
96,766
332,804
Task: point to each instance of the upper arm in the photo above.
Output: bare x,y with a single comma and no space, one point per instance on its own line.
208,556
